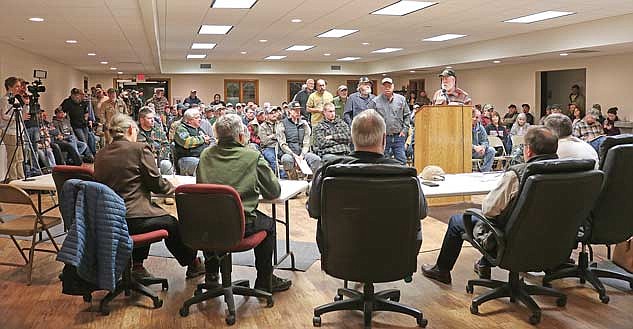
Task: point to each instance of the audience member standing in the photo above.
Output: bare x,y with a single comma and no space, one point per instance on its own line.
576,97
77,111
160,103
450,94
302,98
193,98
395,111
340,100
316,101
359,101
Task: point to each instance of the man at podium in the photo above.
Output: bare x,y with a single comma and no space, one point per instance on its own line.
450,94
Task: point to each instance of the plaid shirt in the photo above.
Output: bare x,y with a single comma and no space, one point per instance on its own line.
157,140
588,132
339,141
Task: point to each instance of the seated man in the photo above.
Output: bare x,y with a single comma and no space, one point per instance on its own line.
294,140
590,130
253,129
369,137
332,135
540,144
65,138
481,148
568,145
268,139
231,163
189,141
152,134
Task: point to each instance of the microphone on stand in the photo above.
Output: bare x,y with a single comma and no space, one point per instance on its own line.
445,96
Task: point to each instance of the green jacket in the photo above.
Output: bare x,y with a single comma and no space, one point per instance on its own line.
246,170
339,106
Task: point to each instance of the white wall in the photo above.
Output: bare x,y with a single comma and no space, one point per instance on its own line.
61,78
559,85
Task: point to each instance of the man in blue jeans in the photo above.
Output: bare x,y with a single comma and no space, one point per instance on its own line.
481,147
540,144
268,140
395,110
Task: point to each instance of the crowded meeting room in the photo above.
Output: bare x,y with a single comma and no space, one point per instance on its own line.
316,163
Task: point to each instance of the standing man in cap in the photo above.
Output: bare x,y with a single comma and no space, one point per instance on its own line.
449,94
316,101
359,101
395,111
193,98
160,103
302,98
340,100
108,109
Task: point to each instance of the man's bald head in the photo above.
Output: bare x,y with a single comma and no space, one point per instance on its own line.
368,130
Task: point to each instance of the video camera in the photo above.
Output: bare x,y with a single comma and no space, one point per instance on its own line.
35,89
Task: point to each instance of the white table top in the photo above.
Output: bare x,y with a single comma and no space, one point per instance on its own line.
463,185
45,183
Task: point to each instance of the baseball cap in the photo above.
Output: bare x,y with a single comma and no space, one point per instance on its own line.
364,80
432,173
260,111
386,80
342,87
111,90
447,72
295,104
238,104
229,104
194,91
273,108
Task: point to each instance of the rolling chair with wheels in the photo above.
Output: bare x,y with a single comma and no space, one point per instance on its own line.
540,228
610,220
370,216
217,227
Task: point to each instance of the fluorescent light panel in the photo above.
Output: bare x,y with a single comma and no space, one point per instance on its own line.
299,48
386,50
233,4
275,57
193,56
336,33
445,37
539,17
402,8
215,29
202,45
36,19
348,59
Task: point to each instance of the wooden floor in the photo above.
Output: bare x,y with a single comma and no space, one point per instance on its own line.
42,305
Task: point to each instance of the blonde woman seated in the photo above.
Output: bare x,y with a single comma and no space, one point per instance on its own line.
520,127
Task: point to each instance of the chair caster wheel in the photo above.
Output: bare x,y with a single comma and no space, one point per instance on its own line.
158,303
474,309
316,321
197,292
547,285
270,302
87,298
230,319
184,311
422,322
604,299
469,289
165,286
535,318
561,302
338,298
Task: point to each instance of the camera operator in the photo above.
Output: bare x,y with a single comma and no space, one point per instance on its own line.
77,111
12,87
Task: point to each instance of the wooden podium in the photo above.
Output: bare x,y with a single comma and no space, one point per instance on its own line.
443,137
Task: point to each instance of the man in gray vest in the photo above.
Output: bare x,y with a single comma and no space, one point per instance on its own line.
540,144
294,141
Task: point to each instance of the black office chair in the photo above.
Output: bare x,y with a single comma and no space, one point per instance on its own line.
370,218
610,221
539,231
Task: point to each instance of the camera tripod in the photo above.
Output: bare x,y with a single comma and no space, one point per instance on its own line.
22,143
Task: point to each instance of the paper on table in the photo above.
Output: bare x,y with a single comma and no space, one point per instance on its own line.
303,165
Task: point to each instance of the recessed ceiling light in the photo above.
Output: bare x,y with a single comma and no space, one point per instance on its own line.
233,4
36,19
336,33
384,74
113,68
92,54
71,41
327,54
214,29
496,62
296,20
347,59
564,54
275,57
365,43
263,40
194,56
119,72
104,62
411,71
539,17
203,45
299,48
402,8
386,50
449,67
444,37
243,52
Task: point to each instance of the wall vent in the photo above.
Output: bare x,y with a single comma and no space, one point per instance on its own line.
335,67
206,66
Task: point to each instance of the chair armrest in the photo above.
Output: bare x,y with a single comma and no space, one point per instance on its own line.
497,233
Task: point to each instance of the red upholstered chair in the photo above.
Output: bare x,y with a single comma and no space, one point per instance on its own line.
63,173
128,283
211,218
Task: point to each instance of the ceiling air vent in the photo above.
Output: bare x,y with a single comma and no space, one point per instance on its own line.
205,66
584,51
335,67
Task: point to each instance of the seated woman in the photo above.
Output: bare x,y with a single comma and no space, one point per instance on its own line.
578,115
609,124
496,128
129,168
521,126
